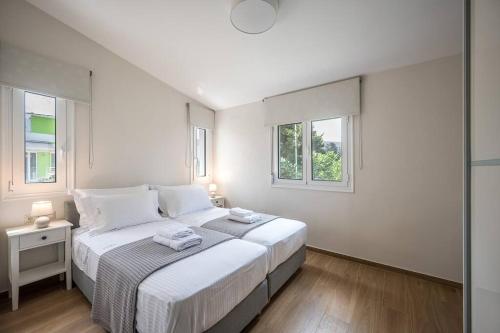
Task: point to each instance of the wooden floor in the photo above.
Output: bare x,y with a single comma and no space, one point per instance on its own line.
328,294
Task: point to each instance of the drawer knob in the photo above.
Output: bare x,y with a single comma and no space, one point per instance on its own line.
44,237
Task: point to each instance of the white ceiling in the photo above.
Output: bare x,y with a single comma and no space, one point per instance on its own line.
192,46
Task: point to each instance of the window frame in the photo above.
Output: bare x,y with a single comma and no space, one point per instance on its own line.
13,125
27,126
284,181
307,182
196,156
208,156
345,156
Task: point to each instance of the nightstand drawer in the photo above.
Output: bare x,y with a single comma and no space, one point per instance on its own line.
218,202
41,238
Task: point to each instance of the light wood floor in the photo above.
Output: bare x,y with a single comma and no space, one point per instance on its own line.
327,295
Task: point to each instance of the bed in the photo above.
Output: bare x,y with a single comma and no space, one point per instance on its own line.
218,290
284,239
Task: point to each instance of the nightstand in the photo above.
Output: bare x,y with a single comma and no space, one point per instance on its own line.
28,237
218,201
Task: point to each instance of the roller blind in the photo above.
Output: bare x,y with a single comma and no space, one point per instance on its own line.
201,116
24,69
331,100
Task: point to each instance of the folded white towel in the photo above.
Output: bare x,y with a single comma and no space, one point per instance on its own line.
246,219
240,212
179,244
174,231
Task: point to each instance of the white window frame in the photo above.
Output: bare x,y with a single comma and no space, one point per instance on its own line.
13,179
208,156
307,182
290,182
196,155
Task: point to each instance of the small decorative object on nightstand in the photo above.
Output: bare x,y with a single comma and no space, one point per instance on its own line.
217,201
30,237
41,210
212,189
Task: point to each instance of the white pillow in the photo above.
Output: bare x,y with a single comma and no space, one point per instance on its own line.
123,210
184,199
79,194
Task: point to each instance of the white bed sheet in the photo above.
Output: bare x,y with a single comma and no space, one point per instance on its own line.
282,237
190,295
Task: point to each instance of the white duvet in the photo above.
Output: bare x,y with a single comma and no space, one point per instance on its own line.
282,237
190,295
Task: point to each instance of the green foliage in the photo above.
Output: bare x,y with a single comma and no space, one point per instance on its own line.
326,159
326,156
327,166
318,144
290,151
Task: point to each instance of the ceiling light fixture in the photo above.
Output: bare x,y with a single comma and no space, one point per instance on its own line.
254,16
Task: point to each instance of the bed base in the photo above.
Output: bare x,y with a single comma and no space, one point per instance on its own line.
281,274
235,321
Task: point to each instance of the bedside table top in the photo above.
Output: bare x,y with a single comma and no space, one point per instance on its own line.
30,229
217,197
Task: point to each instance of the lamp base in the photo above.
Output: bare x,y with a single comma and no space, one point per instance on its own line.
42,222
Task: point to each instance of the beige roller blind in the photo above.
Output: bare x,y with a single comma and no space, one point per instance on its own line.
201,116
20,68
331,100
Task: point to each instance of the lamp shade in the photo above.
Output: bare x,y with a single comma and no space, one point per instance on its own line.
41,208
212,187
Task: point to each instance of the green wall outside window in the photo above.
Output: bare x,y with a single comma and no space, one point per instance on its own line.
43,125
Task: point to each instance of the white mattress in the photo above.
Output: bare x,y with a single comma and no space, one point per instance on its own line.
282,237
190,295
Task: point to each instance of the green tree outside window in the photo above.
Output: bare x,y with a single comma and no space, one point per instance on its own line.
326,155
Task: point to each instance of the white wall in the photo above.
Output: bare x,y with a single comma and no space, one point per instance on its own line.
406,208
140,122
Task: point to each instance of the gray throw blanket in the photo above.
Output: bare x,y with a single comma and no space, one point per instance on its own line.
237,229
121,270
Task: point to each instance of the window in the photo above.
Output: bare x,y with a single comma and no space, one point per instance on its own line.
326,147
52,170
31,166
201,152
202,155
290,151
40,138
315,154
37,137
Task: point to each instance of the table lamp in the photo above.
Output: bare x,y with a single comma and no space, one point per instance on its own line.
212,188
41,210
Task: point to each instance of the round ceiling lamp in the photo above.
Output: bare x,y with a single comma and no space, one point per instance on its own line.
254,16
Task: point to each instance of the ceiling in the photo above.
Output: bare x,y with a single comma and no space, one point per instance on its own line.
192,46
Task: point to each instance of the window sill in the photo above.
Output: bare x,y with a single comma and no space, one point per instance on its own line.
14,197
345,189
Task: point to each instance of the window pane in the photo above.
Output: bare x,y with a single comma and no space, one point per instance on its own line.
290,151
326,147
39,138
201,152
